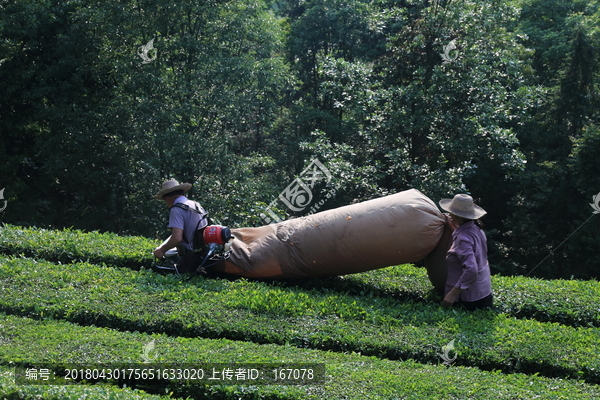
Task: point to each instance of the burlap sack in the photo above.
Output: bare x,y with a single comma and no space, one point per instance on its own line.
396,229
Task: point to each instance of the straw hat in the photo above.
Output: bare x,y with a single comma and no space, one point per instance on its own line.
462,205
170,186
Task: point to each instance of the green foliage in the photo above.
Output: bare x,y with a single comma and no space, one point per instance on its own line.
10,391
349,376
570,302
549,203
379,316
195,112
69,246
239,95
516,296
322,319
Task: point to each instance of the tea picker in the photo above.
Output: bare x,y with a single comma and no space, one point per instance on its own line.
194,244
215,247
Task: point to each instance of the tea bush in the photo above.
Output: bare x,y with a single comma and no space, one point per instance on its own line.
67,246
348,376
11,391
538,327
569,302
265,313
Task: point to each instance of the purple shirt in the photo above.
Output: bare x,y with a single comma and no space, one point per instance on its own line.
467,263
185,220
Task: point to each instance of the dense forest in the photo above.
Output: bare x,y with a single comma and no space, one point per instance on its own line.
103,100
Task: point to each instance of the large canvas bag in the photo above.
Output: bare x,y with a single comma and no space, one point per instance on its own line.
400,228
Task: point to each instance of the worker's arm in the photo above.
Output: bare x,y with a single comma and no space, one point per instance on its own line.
451,297
172,241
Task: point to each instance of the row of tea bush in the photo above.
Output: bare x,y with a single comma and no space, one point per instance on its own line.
60,344
569,302
262,312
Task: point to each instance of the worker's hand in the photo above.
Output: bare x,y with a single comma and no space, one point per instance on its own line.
158,253
451,297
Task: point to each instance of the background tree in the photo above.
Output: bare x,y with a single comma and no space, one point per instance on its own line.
107,128
413,121
548,206
238,96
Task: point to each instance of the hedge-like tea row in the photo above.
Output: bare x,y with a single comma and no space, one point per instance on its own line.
265,313
573,303
348,376
12,391
570,302
67,246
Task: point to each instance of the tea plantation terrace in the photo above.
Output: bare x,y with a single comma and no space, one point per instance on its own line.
75,297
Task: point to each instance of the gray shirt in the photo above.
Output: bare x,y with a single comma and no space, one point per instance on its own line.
186,220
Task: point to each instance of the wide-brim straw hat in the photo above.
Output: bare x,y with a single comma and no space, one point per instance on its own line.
170,186
462,205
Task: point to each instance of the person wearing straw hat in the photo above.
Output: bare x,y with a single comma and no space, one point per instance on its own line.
469,278
185,218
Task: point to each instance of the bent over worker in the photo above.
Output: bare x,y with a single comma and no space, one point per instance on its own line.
186,217
469,277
